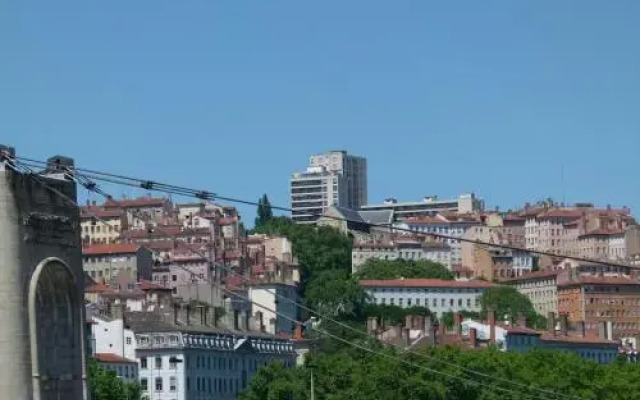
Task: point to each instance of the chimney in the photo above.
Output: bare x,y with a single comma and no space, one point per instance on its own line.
491,316
602,329
551,322
458,323
564,324
581,329
372,325
522,320
297,331
407,336
473,337
408,321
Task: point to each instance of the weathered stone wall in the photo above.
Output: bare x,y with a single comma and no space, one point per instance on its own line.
41,289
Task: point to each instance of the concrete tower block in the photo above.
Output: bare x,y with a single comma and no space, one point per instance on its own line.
42,343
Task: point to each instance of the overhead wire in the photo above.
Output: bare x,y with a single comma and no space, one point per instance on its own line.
185,192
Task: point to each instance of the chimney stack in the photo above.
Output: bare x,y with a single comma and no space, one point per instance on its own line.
407,336
492,325
564,324
473,337
551,322
458,323
522,320
602,329
581,329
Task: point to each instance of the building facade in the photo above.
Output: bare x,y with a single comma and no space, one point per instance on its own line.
111,262
190,365
279,297
334,178
440,296
124,368
541,287
400,250
100,226
428,206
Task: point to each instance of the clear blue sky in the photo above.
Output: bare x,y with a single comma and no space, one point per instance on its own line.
442,97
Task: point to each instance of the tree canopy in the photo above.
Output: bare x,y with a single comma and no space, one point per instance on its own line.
507,301
355,375
264,212
105,385
395,269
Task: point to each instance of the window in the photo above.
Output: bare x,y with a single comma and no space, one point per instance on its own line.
144,382
128,340
158,384
158,362
143,363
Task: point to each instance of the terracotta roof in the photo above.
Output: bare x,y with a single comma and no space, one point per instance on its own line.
98,288
118,248
520,330
107,358
147,285
603,232
425,283
513,217
533,275
427,220
91,211
599,280
139,202
561,213
575,339
227,221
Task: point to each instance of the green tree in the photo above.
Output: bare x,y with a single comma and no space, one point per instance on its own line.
409,269
507,301
105,385
264,212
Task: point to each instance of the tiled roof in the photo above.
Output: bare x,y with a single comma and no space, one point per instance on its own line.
533,275
107,358
600,280
116,248
560,213
227,221
147,285
575,339
91,211
603,232
139,202
98,288
440,283
427,220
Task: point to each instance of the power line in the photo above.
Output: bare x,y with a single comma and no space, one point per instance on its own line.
209,195
92,187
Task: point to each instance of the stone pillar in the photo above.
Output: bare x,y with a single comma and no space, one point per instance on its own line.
41,284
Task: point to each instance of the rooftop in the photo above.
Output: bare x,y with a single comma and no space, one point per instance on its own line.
107,358
116,248
437,283
139,202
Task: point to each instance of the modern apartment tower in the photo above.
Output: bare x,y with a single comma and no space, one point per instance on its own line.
333,178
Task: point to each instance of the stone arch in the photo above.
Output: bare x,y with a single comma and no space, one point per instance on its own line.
55,331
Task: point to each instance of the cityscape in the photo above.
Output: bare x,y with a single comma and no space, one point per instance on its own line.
182,300
320,200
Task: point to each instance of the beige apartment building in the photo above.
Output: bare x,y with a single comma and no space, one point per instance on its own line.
117,263
541,287
100,226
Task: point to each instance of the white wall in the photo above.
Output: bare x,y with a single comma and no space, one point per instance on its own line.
111,337
464,299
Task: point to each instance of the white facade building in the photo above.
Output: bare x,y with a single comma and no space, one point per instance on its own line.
439,296
333,178
180,365
454,226
124,368
110,336
428,206
436,252
278,297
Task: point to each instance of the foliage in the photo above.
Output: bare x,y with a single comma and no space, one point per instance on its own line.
392,314
264,213
357,375
448,317
324,255
105,385
396,269
507,301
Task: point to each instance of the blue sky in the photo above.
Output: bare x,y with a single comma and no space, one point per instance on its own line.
445,97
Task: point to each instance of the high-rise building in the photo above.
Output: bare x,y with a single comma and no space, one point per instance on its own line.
333,178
